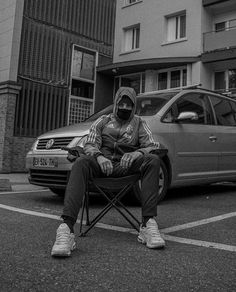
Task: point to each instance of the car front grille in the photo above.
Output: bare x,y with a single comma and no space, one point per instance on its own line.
58,143
49,178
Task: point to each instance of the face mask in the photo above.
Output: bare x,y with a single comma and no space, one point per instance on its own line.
124,114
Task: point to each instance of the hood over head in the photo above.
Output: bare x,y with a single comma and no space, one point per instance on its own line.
125,91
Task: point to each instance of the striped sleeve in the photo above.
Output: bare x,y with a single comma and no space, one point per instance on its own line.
146,140
94,140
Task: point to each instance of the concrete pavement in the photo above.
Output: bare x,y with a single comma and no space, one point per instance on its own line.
16,182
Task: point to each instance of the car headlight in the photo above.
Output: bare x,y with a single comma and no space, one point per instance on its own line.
82,141
34,145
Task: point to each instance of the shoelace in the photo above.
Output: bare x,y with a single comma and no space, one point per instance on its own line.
153,230
62,238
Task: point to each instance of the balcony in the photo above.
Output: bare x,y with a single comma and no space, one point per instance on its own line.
219,40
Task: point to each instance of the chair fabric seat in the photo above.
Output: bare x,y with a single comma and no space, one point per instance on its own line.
115,183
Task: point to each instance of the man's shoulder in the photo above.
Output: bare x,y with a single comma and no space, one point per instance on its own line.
102,118
137,118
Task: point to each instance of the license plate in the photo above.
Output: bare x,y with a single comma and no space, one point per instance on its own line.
45,162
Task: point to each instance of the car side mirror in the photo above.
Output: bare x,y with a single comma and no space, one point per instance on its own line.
187,116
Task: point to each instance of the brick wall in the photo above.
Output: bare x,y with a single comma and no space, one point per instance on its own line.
8,93
21,145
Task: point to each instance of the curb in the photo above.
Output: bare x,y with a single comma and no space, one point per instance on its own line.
5,185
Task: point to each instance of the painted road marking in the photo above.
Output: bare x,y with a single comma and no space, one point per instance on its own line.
29,212
23,192
168,237
200,243
198,223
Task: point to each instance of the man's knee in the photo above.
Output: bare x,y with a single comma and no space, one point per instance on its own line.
83,162
152,160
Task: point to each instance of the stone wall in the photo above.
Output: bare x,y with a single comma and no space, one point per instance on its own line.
21,145
8,94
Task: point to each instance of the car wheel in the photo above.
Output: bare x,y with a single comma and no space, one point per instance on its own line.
58,192
163,183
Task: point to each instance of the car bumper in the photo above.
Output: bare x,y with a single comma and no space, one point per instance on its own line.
53,176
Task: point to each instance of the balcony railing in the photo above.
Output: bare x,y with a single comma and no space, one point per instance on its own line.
217,40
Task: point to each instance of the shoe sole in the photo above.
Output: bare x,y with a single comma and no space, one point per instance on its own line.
62,253
156,246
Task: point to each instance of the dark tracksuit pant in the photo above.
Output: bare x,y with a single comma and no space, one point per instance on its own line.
86,167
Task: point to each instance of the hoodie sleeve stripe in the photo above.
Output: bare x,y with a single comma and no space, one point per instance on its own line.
93,131
149,133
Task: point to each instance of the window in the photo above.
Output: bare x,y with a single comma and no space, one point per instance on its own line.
176,27
232,79
131,38
175,79
82,84
172,78
162,80
225,25
128,2
220,80
198,103
220,26
225,111
136,81
225,80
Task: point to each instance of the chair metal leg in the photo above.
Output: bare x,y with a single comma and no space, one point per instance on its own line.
87,208
82,214
113,203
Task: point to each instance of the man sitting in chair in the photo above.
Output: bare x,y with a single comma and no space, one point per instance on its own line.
118,144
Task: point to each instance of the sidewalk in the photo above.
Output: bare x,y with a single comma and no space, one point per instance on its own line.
16,182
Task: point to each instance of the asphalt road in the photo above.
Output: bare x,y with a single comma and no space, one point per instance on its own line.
200,254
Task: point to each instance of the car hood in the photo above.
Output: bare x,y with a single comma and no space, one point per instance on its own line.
75,130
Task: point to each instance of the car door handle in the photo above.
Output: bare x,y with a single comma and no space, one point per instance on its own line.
213,138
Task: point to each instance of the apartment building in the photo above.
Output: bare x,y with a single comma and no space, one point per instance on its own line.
49,51
170,44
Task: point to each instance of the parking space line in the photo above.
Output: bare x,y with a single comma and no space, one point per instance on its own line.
200,243
29,212
198,223
168,237
23,192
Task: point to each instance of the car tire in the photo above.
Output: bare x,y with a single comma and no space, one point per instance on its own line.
163,183
58,192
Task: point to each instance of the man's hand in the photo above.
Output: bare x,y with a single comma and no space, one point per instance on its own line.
128,158
105,164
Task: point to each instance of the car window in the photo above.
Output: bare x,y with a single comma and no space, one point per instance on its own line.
150,105
107,110
225,111
169,117
197,103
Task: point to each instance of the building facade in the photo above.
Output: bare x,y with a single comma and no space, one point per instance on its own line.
49,51
170,44
61,60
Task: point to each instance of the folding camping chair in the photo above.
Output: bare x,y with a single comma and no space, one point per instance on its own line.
113,189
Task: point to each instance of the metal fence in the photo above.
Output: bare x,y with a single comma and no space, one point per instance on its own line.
49,30
40,108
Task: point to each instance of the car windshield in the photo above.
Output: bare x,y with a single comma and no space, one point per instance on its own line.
149,105
107,110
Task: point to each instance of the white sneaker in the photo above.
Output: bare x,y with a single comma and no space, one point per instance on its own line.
150,235
65,242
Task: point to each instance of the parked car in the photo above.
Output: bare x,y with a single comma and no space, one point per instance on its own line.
197,126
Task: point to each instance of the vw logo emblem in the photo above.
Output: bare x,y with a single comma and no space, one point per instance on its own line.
50,143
